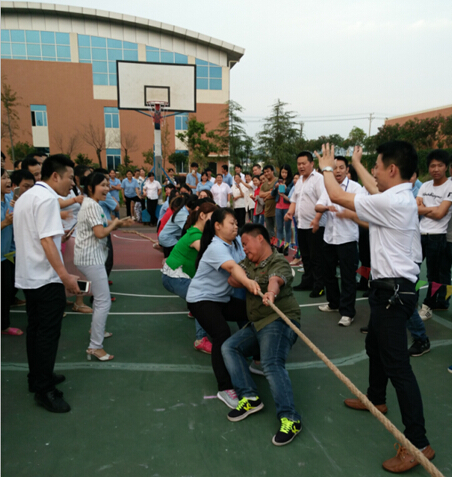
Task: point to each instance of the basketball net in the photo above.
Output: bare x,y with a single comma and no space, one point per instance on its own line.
157,108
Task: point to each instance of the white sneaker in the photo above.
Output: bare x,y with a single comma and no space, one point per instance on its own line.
346,321
229,397
256,368
327,308
301,270
425,313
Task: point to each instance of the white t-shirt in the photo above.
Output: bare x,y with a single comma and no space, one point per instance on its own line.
339,231
393,231
151,189
90,250
241,202
220,194
307,193
36,216
433,196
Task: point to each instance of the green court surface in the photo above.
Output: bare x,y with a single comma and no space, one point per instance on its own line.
152,411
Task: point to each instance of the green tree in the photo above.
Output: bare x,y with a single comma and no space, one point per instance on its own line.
10,102
83,160
446,132
278,138
21,150
232,138
200,143
356,137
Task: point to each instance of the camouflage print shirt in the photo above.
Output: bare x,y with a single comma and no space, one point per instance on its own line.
274,265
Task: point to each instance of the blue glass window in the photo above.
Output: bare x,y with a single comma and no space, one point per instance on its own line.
113,158
62,39
84,40
6,49
181,122
18,36
33,37
48,37
18,49
49,50
97,41
202,83
215,84
63,52
208,75
99,53
38,115
84,53
99,79
33,50
111,116
131,55
180,59
5,35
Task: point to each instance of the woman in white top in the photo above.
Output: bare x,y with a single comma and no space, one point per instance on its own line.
239,193
152,189
90,255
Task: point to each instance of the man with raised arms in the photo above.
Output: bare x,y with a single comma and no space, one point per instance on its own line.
393,229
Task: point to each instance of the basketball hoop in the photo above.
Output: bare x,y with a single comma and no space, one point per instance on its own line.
157,108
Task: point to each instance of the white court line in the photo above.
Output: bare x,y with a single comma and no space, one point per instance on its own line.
143,296
125,313
138,270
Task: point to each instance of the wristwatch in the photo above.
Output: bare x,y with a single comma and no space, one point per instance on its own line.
327,169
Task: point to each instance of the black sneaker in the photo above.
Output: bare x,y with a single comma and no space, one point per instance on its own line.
56,379
302,287
317,293
245,407
289,429
53,401
418,348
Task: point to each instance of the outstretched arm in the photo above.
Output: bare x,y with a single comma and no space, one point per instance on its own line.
366,178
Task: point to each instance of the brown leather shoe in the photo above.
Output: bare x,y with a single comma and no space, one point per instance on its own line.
357,404
404,461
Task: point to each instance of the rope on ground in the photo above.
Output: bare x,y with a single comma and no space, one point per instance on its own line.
141,235
420,457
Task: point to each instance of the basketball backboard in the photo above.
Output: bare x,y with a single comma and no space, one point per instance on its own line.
139,83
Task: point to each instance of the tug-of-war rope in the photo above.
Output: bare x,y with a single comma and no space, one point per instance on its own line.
420,457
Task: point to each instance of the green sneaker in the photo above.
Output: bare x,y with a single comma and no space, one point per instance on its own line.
289,429
245,407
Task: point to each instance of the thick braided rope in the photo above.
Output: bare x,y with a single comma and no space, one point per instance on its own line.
420,457
141,235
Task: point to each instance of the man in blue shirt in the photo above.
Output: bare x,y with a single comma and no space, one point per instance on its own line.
194,177
227,178
115,187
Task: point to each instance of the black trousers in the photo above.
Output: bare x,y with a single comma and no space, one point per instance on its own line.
213,317
387,348
130,213
240,215
45,309
364,253
346,256
109,261
151,208
8,292
311,249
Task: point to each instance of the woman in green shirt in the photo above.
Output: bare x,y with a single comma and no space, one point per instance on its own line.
180,267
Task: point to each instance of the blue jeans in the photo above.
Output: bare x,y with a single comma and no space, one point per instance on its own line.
283,229
297,255
259,219
274,342
179,286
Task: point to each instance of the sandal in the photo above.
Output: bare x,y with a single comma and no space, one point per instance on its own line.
92,352
12,331
81,308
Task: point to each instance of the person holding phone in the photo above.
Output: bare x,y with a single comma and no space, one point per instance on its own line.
90,253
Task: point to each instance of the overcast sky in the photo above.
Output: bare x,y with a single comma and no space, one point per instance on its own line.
341,58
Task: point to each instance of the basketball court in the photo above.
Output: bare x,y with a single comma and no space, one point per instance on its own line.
152,411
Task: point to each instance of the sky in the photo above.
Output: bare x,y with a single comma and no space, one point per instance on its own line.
331,61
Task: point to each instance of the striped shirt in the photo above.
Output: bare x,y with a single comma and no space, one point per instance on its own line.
89,250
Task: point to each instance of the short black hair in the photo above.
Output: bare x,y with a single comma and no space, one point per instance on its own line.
170,169
194,164
29,161
268,166
438,155
17,163
257,165
20,175
342,158
400,153
255,230
57,163
225,167
91,181
238,165
151,174
306,154
101,170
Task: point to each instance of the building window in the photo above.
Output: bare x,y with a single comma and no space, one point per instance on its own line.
181,165
38,115
35,45
111,116
156,55
208,75
181,122
102,53
113,158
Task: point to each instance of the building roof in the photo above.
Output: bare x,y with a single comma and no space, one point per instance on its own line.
233,52
428,112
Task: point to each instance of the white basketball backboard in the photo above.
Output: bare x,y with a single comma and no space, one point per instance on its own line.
139,83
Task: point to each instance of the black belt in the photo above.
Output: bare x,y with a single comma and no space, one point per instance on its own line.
389,283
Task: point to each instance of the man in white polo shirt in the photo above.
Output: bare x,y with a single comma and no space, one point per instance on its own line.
393,230
41,274
434,199
221,192
340,248
311,224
